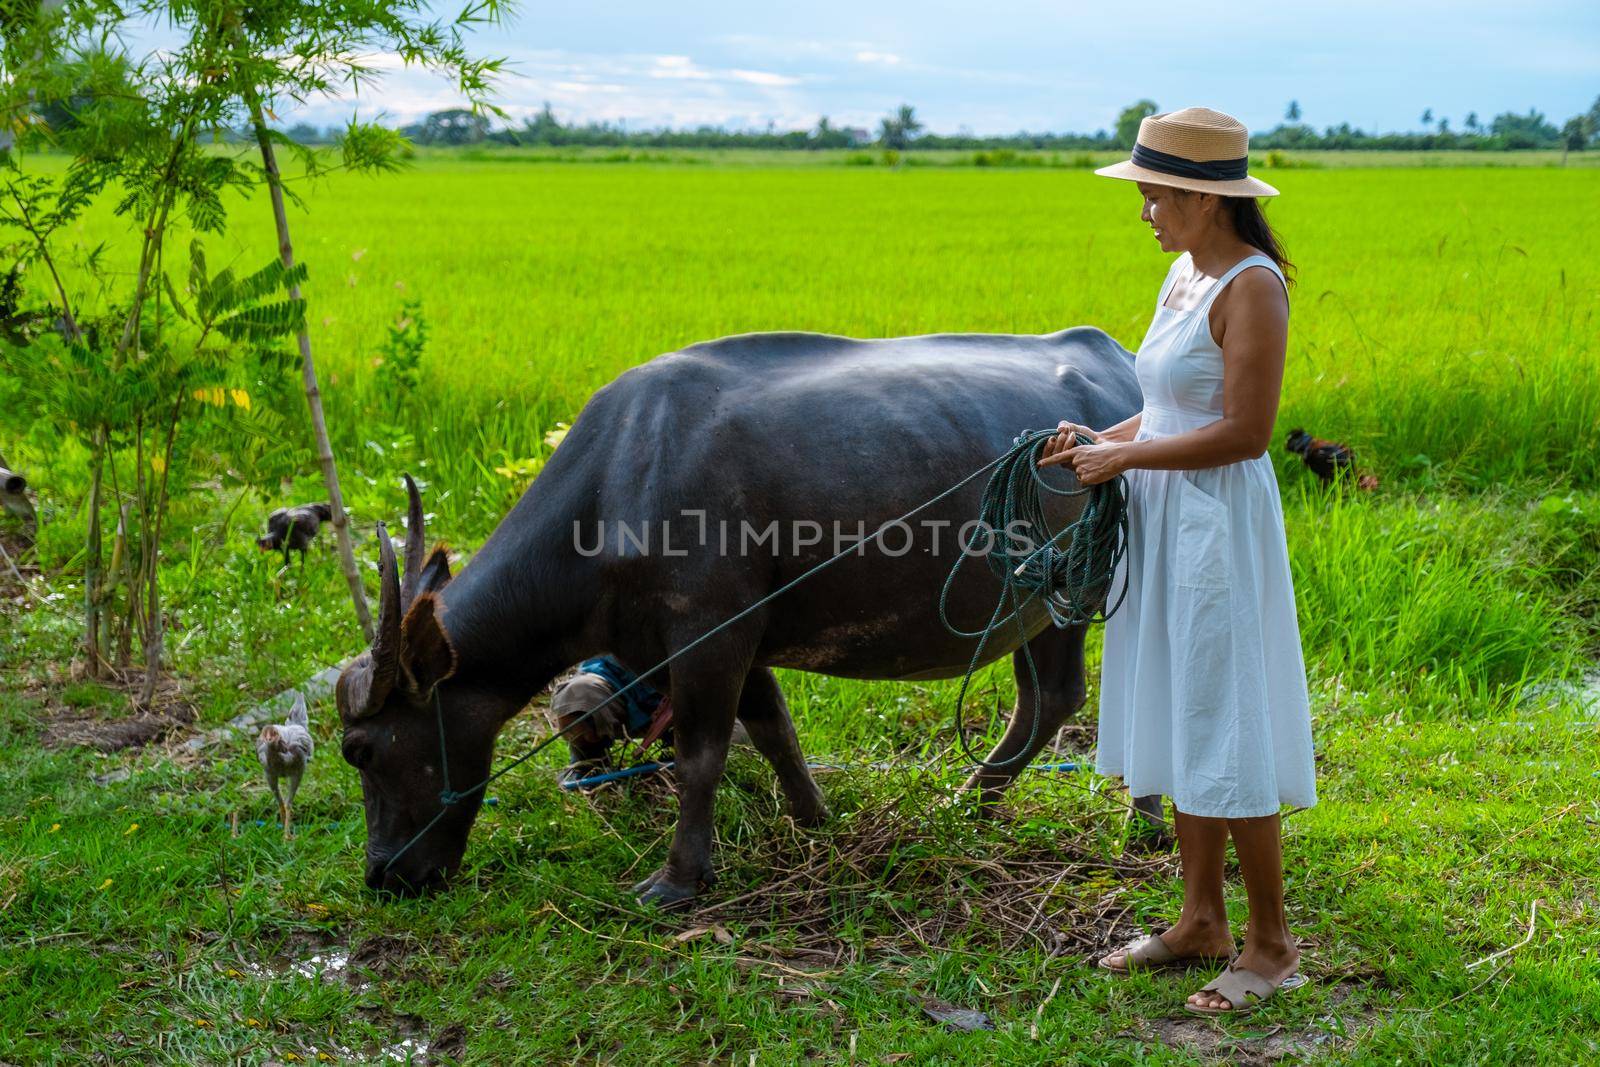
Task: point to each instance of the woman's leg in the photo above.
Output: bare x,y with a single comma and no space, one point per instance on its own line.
1268,948
1202,928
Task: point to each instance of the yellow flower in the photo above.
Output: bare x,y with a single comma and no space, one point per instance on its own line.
54,827
131,828
240,398
158,462
105,885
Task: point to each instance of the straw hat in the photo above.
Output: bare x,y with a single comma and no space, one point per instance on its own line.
1195,148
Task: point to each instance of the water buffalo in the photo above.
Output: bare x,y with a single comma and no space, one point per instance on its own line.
651,524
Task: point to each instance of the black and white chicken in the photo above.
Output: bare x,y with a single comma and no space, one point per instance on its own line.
294,528
284,749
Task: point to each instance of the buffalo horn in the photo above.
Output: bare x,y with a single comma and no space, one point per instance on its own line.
386,645
416,545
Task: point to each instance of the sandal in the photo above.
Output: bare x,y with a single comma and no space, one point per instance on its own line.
1152,954
1245,989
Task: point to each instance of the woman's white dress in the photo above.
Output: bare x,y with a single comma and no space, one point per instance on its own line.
1203,689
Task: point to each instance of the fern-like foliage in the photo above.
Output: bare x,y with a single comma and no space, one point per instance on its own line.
256,309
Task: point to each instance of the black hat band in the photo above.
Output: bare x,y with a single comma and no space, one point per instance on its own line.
1221,170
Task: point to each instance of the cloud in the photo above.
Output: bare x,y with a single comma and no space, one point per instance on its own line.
642,90
762,77
888,59
678,67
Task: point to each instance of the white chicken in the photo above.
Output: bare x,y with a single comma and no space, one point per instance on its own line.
284,750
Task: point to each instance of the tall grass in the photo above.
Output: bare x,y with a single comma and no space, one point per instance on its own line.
1444,325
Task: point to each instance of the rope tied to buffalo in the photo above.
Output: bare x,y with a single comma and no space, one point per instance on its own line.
1065,577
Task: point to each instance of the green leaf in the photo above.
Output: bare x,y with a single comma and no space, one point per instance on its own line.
263,322
172,295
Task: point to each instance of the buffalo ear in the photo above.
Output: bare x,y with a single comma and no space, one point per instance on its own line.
436,572
426,655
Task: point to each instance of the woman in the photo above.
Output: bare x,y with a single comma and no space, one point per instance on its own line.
1203,690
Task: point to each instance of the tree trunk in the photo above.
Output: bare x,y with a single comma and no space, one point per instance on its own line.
91,566
155,627
319,427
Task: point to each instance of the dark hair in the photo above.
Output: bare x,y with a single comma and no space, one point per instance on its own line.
1251,224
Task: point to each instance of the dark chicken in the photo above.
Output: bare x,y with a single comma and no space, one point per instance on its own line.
294,528
1326,458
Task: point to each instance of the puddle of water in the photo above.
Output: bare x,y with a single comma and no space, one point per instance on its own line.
331,965
407,1051
1585,693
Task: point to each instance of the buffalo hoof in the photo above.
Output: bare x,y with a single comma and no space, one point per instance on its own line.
809,815
661,890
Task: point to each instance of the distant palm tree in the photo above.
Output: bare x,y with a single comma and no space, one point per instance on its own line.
1293,114
1427,117
908,120
898,129
1472,121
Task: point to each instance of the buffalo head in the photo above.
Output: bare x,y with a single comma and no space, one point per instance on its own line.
392,700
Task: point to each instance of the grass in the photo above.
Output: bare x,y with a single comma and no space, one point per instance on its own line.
870,155
1444,326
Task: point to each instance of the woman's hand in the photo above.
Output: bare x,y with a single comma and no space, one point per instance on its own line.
1065,438
1097,463
1092,463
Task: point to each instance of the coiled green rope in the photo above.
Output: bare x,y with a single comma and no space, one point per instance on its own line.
1027,556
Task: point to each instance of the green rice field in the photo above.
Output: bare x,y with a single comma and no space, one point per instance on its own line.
1444,325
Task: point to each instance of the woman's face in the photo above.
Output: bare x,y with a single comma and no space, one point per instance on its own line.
1174,214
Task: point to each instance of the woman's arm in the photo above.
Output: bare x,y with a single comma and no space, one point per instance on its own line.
1066,436
1124,430
1255,337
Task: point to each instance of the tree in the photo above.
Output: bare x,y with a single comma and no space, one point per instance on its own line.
827,135
1472,121
1444,125
455,126
1128,122
1427,117
123,360
1575,135
116,358
543,128
1293,114
898,129
294,49
1524,131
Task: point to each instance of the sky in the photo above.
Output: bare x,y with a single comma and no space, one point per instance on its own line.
1000,66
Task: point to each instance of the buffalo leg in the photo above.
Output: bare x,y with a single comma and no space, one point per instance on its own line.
705,699
765,715
1058,656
